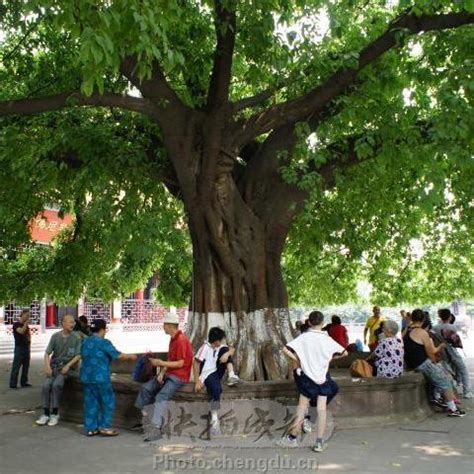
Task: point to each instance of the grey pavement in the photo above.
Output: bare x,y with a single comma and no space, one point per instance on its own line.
438,444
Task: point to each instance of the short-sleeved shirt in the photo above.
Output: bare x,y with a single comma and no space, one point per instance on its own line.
208,356
96,355
372,325
63,349
21,340
315,349
338,332
438,328
389,360
180,349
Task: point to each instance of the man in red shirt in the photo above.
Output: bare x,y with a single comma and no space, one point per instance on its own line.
174,373
338,332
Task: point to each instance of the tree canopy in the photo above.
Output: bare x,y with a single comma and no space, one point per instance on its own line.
380,93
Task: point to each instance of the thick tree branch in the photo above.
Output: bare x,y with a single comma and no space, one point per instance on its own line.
72,99
156,88
225,25
261,97
253,100
320,97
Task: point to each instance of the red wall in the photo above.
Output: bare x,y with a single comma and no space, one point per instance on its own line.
45,226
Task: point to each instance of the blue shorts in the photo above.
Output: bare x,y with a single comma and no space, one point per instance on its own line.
312,390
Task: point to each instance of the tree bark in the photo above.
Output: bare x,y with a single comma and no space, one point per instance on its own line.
238,283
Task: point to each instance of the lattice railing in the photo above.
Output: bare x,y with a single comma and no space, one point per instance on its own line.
12,313
142,312
34,329
97,310
146,315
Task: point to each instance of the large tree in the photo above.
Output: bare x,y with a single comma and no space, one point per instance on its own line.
345,122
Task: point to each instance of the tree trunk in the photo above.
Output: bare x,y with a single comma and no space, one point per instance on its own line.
238,283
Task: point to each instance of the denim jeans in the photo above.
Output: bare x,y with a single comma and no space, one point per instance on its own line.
52,390
21,359
153,392
462,373
434,373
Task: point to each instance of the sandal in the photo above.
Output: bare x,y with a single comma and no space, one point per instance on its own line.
92,433
108,432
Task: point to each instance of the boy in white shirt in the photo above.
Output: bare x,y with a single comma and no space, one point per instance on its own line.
210,363
313,350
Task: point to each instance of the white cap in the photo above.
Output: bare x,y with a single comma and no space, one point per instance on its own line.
171,318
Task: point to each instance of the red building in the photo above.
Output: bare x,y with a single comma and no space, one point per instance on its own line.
139,311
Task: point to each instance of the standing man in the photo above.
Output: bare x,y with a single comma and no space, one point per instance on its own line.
62,354
21,358
372,324
174,373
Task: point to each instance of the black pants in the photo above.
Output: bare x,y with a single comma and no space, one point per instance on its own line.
20,359
213,381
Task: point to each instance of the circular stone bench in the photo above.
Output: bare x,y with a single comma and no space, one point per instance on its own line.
252,406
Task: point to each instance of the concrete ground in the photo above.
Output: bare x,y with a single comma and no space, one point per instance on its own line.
438,444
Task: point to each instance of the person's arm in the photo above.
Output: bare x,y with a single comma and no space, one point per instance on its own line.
124,356
65,369
340,355
430,348
168,364
114,354
377,353
23,328
290,354
365,334
47,364
197,381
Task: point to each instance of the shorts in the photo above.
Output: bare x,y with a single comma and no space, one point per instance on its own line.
312,390
435,374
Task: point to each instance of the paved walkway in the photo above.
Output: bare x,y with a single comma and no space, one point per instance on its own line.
439,445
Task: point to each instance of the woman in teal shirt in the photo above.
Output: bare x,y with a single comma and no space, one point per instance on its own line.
99,398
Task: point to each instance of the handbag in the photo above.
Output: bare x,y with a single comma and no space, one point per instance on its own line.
361,368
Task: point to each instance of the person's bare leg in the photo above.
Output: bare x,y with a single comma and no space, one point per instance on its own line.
301,411
322,416
450,397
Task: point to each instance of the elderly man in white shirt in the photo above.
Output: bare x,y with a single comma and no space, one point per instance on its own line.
313,351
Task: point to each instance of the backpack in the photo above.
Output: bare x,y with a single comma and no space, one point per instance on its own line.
361,368
143,370
452,338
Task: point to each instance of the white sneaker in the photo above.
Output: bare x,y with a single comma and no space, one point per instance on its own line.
307,427
53,420
233,380
215,428
42,420
468,395
319,447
